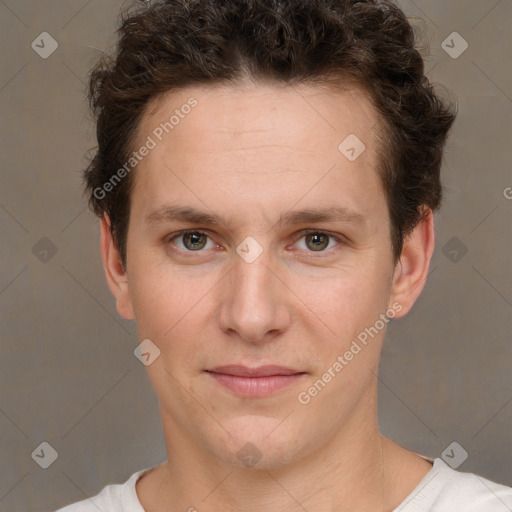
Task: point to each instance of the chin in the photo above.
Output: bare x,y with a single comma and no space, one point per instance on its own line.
257,443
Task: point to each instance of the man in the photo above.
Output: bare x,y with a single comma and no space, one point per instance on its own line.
266,177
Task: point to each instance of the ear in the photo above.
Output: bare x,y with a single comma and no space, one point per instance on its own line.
412,269
117,279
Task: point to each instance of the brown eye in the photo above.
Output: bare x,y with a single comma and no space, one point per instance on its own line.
190,241
194,241
317,241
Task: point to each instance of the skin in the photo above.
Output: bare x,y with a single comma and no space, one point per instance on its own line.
249,154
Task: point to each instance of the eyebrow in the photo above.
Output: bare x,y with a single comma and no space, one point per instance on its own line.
178,213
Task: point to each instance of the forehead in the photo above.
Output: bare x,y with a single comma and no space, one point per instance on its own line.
260,141
256,110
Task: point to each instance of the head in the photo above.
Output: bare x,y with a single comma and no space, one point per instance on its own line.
249,112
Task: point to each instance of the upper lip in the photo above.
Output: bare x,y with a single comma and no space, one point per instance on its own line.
261,371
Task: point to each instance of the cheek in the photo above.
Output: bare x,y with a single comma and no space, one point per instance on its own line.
172,305
346,298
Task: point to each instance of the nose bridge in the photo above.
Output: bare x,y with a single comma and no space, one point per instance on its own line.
252,267
252,278
254,305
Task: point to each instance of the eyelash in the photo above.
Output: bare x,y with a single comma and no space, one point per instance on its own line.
303,234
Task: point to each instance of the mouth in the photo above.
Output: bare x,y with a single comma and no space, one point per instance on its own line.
255,382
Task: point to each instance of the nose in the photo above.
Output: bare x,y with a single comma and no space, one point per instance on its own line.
254,304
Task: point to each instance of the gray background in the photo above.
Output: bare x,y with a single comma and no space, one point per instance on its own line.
68,373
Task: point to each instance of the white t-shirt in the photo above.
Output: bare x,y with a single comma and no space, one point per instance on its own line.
441,490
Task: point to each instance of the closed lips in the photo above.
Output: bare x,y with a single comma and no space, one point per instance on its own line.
262,371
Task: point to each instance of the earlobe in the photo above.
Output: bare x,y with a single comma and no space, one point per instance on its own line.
412,269
115,274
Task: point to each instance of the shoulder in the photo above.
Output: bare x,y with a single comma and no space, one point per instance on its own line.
446,490
107,500
474,492
115,497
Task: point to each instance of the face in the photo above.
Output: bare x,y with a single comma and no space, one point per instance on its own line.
287,261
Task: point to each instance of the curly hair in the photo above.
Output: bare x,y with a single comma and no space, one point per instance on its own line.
170,44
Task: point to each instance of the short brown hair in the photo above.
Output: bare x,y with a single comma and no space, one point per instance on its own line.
170,44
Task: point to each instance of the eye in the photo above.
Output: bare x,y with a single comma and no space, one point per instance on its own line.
192,240
318,241
196,241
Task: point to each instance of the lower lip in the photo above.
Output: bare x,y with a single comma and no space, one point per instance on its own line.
255,386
